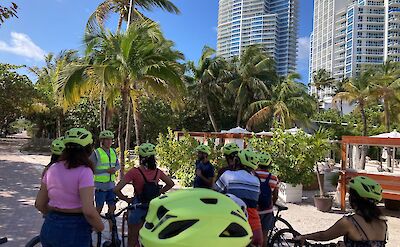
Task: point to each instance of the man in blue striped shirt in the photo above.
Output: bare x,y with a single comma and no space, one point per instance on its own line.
242,183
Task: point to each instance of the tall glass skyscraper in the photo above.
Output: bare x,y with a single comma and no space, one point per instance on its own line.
349,35
270,23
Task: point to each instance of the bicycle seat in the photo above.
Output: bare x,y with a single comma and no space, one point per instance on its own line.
281,207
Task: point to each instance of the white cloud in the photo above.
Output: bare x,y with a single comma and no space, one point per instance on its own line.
303,56
22,45
304,48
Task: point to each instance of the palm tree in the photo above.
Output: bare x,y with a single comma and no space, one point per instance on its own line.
48,77
321,80
385,86
357,91
121,7
255,73
208,75
138,62
289,102
338,88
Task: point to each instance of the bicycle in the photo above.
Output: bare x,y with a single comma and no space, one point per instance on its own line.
285,238
34,242
115,240
278,222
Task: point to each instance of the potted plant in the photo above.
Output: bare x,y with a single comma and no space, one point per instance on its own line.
319,147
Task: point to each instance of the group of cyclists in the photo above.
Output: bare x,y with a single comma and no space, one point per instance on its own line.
232,208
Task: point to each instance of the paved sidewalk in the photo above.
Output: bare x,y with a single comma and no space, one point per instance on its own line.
19,183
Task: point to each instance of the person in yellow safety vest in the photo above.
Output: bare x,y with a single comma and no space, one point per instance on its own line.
106,165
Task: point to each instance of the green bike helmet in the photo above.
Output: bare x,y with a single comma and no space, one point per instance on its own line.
78,136
248,158
147,150
57,146
204,149
264,159
195,218
230,148
106,134
366,188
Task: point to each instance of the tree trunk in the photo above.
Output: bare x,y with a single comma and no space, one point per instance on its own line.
128,126
122,126
239,116
137,119
387,114
320,185
211,115
120,19
341,107
58,125
363,148
102,127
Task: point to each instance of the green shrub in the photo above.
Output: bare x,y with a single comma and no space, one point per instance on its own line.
180,156
294,155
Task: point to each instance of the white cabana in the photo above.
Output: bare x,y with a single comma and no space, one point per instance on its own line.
237,130
295,130
265,133
388,154
393,134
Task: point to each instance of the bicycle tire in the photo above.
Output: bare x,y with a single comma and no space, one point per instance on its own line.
280,223
284,238
34,242
285,222
124,228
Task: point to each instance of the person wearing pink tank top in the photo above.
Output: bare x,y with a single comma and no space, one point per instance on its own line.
147,174
66,195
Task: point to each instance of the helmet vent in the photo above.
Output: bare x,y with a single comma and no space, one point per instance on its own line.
84,136
234,230
175,228
161,212
149,225
366,188
238,215
209,200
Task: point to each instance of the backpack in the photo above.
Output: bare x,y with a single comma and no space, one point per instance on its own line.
265,197
151,189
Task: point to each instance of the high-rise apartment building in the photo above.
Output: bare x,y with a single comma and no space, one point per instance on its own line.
270,23
351,34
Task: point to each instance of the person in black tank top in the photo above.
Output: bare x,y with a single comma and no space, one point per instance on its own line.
366,227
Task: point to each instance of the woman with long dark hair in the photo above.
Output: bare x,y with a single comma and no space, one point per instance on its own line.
145,180
366,227
66,195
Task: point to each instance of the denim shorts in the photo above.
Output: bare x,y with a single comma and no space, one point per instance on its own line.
107,196
138,215
267,220
62,230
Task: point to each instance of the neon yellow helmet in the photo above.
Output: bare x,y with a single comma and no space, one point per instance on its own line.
195,218
57,146
147,150
106,134
231,148
366,188
264,159
78,136
248,158
204,149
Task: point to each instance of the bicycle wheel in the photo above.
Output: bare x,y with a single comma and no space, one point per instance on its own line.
282,223
124,228
34,242
284,238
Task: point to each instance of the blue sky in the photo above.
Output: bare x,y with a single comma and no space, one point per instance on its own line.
53,25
